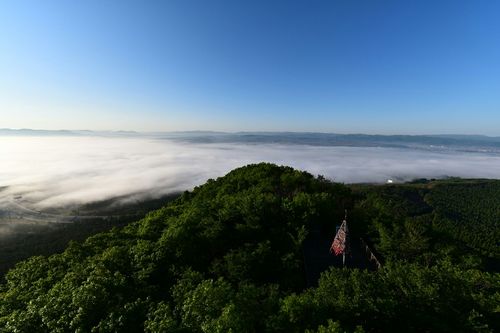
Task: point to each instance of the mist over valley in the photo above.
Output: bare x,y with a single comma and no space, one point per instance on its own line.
49,169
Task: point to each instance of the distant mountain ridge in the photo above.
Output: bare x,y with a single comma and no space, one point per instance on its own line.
38,132
477,143
473,143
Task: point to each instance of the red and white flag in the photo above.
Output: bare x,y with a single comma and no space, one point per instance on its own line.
340,242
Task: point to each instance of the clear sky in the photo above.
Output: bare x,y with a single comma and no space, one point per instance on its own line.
331,66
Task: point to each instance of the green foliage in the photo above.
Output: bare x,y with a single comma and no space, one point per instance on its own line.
160,318
470,213
216,259
399,297
334,327
448,218
229,257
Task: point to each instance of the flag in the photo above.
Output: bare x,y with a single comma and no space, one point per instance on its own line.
340,242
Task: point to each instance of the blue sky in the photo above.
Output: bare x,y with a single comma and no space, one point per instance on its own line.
385,67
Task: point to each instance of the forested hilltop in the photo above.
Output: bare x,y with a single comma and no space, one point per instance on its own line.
230,256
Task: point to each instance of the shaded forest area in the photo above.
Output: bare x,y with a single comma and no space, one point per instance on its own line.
229,257
425,221
23,240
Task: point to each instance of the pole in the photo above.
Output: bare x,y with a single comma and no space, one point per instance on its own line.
346,239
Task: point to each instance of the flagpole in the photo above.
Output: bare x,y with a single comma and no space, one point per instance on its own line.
340,243
343,253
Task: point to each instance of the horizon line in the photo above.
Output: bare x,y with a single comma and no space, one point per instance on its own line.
78,131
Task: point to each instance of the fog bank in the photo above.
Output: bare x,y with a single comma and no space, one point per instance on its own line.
54,171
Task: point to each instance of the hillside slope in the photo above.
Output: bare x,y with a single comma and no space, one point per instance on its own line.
428,220
229,257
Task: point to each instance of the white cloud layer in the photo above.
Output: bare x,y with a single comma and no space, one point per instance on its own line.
54,171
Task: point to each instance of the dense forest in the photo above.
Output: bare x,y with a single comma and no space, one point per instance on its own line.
426,221
229,256
23,240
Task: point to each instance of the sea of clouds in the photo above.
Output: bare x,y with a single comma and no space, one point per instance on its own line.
50,171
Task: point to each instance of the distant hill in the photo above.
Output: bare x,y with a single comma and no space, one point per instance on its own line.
35,132
32,132
229,257
457,142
